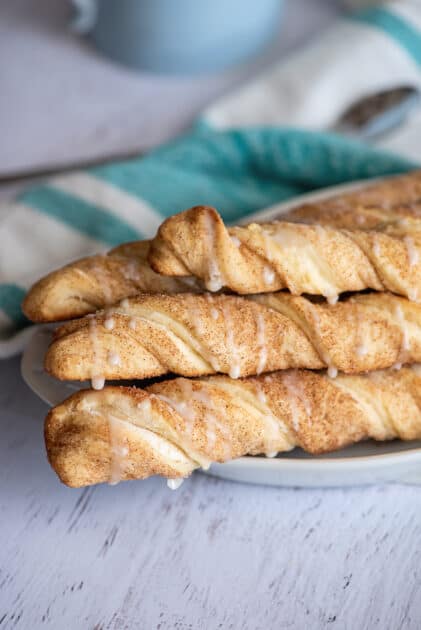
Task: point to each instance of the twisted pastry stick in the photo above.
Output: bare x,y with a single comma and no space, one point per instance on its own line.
194,335
310,259
352,217
173,427
367,207
97,281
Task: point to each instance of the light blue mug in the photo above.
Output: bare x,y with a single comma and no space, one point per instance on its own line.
178,35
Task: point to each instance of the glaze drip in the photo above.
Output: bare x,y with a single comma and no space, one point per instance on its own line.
113,359
405,343
413,255
215,280
109,323
235,366
174,484
297,393
119,451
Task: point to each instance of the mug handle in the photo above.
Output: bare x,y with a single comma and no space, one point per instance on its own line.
85,16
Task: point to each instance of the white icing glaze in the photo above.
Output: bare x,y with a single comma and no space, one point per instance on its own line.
119,451
332,298
102,276
236,241
376,245
145,406
181,408
261,396
124,304
273,433
405,344
211,422
397,366
261,342
174,484
109,323
235,371
267,238
199,327
195,314
189,282
232,349
294,393
413,294
113,359
361,350
214,313
130,270
97,380
413,254
215,280
214,283
132,323
208,419
332,370
268,275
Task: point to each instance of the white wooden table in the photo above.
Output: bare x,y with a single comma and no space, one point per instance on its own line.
213,554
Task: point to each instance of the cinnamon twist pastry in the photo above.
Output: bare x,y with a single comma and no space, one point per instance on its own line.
313,259
352,217
367,207
173,427
195,335
97,281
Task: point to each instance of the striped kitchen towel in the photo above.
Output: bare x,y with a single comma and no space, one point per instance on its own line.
237,170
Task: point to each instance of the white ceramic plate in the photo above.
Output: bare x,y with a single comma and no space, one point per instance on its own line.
364,463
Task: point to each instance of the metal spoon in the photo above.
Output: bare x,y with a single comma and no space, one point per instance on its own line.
376,114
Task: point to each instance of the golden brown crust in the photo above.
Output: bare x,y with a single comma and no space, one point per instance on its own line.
351,217
94,282
313,259
367,207
195,335
175,426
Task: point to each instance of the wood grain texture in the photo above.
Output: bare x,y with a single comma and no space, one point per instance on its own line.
211,555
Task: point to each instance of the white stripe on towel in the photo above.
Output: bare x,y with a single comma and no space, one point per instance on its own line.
34,243
134,211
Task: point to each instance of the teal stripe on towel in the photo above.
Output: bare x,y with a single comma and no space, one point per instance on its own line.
11,297
395,26
91,220
241,171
